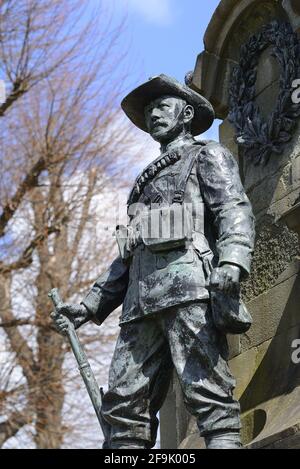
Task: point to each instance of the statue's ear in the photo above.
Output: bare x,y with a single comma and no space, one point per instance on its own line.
188,114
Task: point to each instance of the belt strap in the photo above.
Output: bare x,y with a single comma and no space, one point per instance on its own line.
184,175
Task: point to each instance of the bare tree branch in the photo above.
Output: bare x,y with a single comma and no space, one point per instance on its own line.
16,323
22,350
25,260
14,423
29,182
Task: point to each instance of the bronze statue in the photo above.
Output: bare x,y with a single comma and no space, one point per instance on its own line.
188,243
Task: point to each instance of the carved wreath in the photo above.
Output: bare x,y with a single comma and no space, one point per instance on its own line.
258,137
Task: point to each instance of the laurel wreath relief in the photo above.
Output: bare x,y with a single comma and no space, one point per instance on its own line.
261,138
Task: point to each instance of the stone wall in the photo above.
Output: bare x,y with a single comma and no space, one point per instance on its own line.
268,382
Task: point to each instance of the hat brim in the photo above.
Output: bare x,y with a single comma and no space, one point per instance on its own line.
134,104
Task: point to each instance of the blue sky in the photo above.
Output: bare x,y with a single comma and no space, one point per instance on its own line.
165,35
162,36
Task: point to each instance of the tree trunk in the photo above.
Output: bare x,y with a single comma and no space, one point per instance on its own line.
49,395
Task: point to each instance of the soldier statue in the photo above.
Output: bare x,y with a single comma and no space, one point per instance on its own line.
187,245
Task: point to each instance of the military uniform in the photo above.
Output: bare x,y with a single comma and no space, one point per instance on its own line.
167,316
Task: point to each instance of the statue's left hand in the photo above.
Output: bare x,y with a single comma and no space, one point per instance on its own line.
226,278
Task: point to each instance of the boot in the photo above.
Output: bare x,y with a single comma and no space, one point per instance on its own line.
128,444
223,441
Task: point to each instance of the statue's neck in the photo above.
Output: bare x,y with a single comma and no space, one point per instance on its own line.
177,143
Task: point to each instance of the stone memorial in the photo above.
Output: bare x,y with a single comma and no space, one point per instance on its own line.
249,71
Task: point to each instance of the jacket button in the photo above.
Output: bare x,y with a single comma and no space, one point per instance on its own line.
161,262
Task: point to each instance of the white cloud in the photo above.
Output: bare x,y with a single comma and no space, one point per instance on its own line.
159,12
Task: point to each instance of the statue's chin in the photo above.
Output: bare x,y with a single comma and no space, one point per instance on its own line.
158,137
163,137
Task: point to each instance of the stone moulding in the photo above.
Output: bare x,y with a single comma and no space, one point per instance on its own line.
260,138
292,218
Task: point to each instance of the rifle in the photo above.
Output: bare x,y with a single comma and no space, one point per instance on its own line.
84,367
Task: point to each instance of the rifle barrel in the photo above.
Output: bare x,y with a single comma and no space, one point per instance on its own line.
83,365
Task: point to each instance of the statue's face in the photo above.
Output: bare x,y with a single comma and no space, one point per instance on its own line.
166,117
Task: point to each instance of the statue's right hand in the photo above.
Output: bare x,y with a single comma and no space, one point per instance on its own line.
77,314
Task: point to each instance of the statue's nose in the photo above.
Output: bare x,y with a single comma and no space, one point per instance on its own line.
154,117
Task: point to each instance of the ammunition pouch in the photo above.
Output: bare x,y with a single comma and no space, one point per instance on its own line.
166,228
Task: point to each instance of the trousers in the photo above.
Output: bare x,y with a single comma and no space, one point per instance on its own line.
145,355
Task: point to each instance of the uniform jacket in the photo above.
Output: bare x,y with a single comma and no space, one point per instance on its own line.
223,232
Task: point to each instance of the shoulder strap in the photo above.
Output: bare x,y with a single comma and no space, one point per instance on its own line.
189,161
